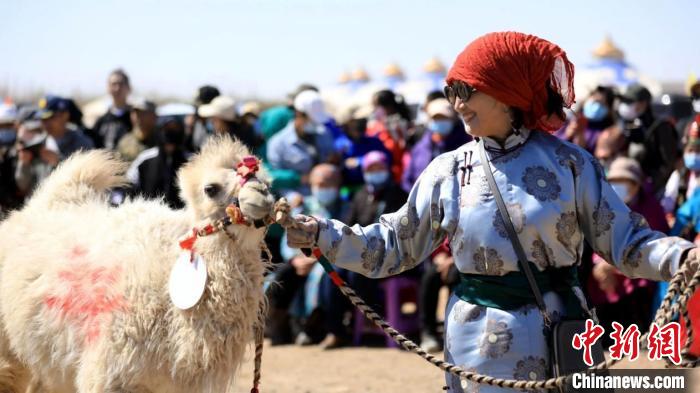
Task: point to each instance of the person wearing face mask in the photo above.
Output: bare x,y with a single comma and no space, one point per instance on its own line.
301,277
653,142
442,133
357,146
616,297
684,124
302,144
510,89
593,118
153,173
391,123
379,195
684,181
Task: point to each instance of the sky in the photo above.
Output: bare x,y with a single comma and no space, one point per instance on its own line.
264,48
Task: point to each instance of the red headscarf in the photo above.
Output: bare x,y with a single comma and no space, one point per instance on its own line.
515,68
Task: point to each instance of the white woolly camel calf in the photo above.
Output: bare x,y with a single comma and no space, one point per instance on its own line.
84,286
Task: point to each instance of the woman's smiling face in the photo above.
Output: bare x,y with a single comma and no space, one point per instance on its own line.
483,115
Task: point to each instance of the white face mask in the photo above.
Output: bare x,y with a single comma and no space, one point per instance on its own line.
627,111
696,105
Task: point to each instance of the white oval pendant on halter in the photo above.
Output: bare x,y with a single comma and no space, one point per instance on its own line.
187,281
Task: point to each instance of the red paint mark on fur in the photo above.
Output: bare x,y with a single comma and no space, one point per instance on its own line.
77,252
86,295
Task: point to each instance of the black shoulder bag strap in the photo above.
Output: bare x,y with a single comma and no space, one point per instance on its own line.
519,252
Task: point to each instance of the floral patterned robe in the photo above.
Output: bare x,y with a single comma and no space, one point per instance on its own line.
556,195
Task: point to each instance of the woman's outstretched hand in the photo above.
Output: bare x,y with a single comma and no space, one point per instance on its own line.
303,233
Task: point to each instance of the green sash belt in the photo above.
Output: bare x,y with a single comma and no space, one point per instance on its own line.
512,291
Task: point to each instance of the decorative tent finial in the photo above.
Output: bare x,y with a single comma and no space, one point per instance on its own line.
608,50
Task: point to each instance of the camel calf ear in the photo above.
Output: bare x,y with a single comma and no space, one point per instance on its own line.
188,183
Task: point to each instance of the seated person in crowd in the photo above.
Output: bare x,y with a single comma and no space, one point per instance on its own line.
443,132
615,296
154,172
274,119
303,143
355,145
220,117
652,141
37,156
595,116
684,181
60,118
300,278
143,136
379,195
391,123
10,123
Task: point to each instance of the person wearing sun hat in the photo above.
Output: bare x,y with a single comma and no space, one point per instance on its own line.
143,135
616,297
684,181
221,117
304,142
509,89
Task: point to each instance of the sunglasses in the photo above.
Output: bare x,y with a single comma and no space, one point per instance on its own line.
459,89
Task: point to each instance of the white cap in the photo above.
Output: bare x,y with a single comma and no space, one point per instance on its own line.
222,106
439,106
8,113
309,102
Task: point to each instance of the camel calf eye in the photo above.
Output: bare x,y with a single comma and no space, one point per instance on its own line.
212,190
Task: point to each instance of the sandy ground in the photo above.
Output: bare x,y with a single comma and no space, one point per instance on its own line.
293,369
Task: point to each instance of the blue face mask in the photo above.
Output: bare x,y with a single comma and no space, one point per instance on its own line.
8,136
209,126
594,110
325,196
621,190
692,161
440,127
311,129
376,178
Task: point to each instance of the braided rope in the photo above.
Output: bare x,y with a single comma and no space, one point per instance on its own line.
220,226
674,303
258,359
664,314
